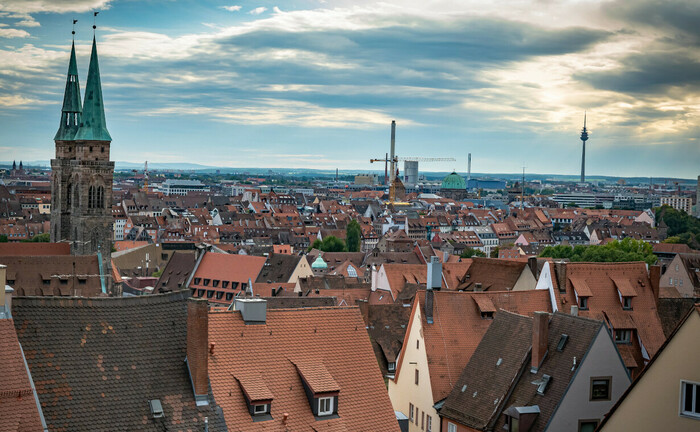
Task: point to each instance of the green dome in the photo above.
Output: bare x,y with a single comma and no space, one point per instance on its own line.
454,181
319,263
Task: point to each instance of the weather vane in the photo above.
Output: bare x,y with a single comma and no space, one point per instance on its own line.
94,20
73,32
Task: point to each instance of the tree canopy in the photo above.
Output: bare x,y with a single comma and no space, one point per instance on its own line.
329,244
625,250
353,235
469,252
682,227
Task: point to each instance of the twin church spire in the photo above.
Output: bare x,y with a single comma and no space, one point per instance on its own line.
86,122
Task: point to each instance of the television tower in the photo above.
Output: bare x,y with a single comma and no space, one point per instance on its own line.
584,138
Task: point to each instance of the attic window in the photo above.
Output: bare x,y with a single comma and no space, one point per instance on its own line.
627,303
623,336
215,283
325,406
562,342
391,366
583,303
224,284
486,315
206,282
197,281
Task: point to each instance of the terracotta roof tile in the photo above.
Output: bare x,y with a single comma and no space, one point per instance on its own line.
624,287
253,385
316,376
458,328
335,337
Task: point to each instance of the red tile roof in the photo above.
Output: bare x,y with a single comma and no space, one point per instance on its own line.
458,328
21,249
18,410
333,337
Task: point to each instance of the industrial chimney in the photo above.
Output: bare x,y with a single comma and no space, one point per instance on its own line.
469,168
392,171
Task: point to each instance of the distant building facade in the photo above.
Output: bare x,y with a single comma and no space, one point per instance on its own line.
678,202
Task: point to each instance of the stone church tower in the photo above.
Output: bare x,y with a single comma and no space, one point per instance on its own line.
81,191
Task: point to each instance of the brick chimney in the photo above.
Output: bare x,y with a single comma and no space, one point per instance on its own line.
540,336
655,279
532,263
198,347
560,269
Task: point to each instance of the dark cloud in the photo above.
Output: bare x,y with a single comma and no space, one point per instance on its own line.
648,73
679,18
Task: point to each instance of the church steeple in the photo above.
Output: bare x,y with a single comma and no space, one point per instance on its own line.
71,111
93,126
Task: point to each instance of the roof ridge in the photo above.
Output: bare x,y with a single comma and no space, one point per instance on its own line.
578,317
106,301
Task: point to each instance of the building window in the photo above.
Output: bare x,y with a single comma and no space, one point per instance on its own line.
417,376
583,303
690,399
422,420
197,281
587,425
627,303
391,366
623,336
512,424
429,424
417,343
600,388
206,282
260,409
410,412
224,284
215,283
325,406
451,427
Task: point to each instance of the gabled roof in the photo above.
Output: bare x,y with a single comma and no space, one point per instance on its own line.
278,268
292,340
557,364
18,408
176,272
493,274
458,327
97,362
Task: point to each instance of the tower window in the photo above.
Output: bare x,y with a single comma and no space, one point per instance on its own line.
90,149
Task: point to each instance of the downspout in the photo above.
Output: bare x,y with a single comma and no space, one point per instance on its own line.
102,273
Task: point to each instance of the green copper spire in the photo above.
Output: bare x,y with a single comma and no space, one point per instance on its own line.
71,111
93,126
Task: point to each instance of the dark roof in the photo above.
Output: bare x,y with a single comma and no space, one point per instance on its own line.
45,275
386,325
287,302
556,364
176,272
97,362
493,274
484,380
278,268
672,311
18,249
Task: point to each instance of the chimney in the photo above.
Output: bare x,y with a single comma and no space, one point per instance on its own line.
574,310
655,279
429,297
434,277
540,335
253,310
560,269
198,347
364,310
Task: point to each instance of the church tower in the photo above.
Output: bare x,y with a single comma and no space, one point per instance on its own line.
82,172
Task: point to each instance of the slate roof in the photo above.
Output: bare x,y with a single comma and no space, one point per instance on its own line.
483,380
176,272
331,339
97,362
458,327
278,268
386,325
18,408
53,275
557,364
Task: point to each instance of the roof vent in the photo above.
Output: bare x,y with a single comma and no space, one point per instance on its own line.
499,362
542,384
464,388
156,408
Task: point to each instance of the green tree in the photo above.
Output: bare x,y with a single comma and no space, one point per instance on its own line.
39,238
3,238
625,250
158,273
681,225
329,244
494,252
353,235
469,252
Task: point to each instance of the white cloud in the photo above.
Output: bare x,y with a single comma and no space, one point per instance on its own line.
258,10
233,8
58,6
13,33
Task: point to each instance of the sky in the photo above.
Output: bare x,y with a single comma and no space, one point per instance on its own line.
316,83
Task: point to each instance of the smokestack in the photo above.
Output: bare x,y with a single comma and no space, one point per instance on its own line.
392,171
469,167
198,346
540,336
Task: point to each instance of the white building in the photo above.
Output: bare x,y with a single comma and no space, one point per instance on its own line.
182,187
678,203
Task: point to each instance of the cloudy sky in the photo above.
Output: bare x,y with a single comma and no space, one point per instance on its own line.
316,83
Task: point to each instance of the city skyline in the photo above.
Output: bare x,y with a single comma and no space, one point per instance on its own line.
317,85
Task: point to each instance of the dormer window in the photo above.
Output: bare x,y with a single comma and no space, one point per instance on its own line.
623,336
325,406
261,409
583,303
391,366
627,303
